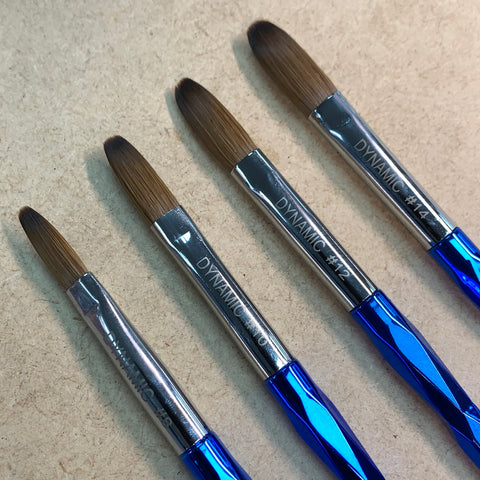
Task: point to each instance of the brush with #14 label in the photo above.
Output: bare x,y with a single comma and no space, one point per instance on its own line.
312,414
200,449
395,337
300,78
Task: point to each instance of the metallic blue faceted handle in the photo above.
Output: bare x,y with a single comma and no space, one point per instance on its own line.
414,359
320,424
460,258
209,459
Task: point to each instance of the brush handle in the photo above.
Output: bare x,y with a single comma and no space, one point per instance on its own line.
460,258
320,424
209,459
414,359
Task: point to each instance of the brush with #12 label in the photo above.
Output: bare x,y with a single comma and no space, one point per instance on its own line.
294,71
395,337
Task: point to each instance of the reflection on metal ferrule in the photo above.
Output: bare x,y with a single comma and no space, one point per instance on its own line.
371,159
303,229
252,333
142,370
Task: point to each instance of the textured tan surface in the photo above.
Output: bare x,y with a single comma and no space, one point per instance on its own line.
74,73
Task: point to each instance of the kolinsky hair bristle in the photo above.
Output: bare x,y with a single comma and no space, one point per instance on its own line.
52,248
146,189
213,124
290,66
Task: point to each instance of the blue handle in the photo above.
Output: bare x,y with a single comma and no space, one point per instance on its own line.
209,459
413,358
320,424
460,258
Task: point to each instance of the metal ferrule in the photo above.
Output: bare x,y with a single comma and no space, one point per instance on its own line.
360,147
243,320
148,378
303,229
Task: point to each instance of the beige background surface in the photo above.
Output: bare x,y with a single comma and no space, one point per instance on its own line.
74,73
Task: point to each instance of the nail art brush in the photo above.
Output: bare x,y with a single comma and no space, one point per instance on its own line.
396,338
200,449
312,414
310,89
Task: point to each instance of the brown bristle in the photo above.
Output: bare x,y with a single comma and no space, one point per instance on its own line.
146,189
52,248
213,124
290,66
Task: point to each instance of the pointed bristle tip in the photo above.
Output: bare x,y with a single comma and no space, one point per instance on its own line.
213,124
60,258
289,66
145,188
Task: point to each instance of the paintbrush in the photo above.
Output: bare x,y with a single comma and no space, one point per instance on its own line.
312,414
396,338
300,78
200,449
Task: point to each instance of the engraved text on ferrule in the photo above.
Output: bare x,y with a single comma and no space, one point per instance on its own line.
298,221
229,297
136,377
371,156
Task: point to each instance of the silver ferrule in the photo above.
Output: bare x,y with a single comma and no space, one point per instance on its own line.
303,229
364,151
141,369
244,322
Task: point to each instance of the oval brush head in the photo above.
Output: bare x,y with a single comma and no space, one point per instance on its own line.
290,66
57,254
145,188
213,124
